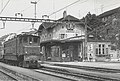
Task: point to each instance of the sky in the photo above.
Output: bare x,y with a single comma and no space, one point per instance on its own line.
46,7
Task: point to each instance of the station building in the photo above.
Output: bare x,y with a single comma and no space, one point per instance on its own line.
65,41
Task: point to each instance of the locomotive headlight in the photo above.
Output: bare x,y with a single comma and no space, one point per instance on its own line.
30,42
26,52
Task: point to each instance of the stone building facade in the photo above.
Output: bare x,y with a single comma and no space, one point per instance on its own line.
112,20
56,39
65,41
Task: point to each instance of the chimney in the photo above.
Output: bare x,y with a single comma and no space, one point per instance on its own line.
64,14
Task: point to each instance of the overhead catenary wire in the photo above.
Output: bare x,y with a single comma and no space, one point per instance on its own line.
67,6
23,28
5,6
28,7
108,5
38,1
99,8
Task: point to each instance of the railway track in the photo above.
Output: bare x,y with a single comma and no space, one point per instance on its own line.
15,76
71,75
98,69
5,77
60,74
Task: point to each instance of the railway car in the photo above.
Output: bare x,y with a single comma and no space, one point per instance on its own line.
22,50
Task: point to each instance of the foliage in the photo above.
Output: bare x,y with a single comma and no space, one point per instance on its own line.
93,21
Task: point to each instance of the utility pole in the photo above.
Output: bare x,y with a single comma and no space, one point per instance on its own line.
35,3
85,42
33,23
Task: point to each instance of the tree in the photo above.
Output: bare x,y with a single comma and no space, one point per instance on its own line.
93,21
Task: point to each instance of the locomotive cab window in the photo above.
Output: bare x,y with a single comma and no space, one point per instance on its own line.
20,40
35,40
25,40
30,39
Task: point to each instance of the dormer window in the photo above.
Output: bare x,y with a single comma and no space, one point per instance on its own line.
70,26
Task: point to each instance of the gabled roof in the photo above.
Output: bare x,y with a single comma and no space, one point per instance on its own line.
69,18
30,32
47,25
110,12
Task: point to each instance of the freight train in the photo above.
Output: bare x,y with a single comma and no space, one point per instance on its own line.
22,50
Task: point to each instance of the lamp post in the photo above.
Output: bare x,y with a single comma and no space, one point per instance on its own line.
35,3
35,7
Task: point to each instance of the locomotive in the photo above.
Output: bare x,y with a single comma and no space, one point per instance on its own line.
22,50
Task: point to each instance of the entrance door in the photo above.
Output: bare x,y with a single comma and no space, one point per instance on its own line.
75,53
55,52
71,53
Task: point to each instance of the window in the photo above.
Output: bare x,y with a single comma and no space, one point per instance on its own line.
107,31
76,34
103,49
50,35
111,55
55,51
35,40
20,40
99,48
96,51
0,43
25,40
70,26
107,51
103,19
30,39
62,36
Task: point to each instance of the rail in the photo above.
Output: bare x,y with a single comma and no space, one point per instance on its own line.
82,74
18,76
71,75
10,76
99,69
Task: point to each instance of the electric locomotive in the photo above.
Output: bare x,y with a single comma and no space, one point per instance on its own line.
23,50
